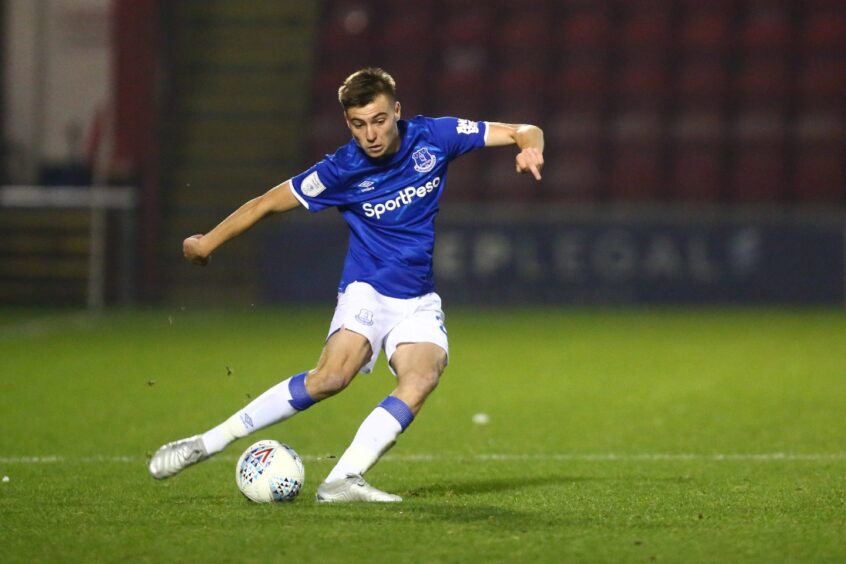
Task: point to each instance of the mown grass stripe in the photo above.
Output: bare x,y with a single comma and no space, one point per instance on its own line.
563,457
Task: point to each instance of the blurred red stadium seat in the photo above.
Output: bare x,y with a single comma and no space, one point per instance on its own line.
392,7
705,30
696,172
574,128
760,127
522,39
461,94
585,30
326,132
511,9
821,127
519,85
702,82
413,90
767,28
724,6
407,33
637,128
764,82
652,83
696,126
647,29
759,175
466,178
636,175
643,83
572,174
821,155
329,77
579,84
696,175
825,28
526,31
823,80
502,181
821,176
466,26
344,33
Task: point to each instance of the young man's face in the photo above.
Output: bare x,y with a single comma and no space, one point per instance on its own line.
374,126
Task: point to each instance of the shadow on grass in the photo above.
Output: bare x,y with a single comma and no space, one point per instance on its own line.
457,502
510,484
414,513
493,485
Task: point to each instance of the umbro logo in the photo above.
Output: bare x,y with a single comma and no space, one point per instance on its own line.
367,186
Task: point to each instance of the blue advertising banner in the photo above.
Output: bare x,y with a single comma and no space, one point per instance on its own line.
525,258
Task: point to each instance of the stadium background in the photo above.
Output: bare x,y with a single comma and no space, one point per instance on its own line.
695,150
695,156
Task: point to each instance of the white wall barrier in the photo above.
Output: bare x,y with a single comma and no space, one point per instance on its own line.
98,201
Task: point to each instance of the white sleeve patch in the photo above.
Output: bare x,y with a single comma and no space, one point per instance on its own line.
311,185
467,127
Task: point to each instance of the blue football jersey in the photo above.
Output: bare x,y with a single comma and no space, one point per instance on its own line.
390,203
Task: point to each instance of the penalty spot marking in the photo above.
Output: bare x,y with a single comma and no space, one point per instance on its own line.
553,457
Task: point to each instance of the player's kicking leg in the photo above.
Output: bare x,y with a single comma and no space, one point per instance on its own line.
418,367
343,356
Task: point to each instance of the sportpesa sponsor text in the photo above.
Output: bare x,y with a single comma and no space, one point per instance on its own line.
403,198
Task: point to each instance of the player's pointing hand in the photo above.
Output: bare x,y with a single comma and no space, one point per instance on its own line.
530,160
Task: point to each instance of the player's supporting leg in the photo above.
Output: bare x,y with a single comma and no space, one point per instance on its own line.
418,367
343,356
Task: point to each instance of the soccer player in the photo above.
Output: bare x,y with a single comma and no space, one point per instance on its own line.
386,182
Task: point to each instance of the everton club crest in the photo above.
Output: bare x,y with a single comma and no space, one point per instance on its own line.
424,161
365,317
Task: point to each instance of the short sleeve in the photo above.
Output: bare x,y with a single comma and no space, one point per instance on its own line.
319,187
458,136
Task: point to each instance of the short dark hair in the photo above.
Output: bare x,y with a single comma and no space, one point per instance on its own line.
361,87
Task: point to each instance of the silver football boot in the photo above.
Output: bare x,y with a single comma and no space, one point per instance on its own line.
174,457
352,488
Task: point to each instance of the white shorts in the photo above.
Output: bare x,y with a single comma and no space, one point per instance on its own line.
388,322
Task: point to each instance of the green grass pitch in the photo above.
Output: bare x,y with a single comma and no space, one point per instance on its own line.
614,436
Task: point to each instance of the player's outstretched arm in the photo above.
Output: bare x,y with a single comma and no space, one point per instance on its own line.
528,137
198,248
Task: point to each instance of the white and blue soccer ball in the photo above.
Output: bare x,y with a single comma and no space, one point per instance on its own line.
270,471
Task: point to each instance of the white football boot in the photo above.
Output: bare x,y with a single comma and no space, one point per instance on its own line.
174,457
352,488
